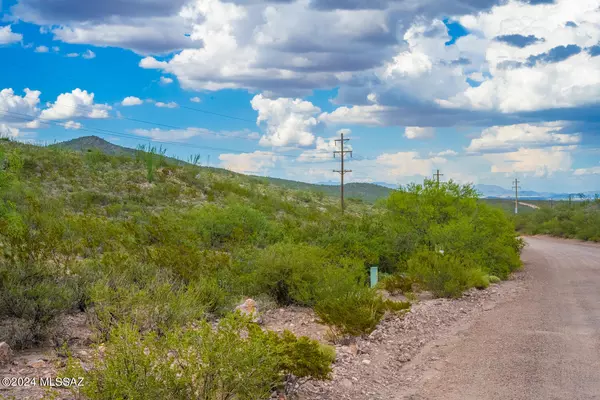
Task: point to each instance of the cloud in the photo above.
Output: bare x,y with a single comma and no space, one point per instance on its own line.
257,162
408,164
73,55
42,49
370,115
8,131
536,162
195,99
551,72
165,81
170,104
14,108
7,36
88,55
290,122
131,101
587,171
77,104
416,132
143,36
323,151
446,153
190,132
72,125
172,134
513,137
144,26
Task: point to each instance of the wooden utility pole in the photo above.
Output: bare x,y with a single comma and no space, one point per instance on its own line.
437,176
342,152
516,187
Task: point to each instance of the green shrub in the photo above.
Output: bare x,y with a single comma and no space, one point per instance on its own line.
445,275
34,295
397,283
148,298
236,360
289,273
345,303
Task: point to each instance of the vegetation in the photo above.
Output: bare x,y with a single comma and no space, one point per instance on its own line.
237,360
155,251
576,220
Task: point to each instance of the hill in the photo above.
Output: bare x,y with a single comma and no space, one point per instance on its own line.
367,192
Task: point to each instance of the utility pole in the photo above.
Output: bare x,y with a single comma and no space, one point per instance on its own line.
208,160
437,176
342,152
516,187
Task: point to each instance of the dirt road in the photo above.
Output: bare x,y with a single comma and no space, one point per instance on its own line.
545,344
529,205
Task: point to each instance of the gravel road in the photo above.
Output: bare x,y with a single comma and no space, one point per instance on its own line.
545,344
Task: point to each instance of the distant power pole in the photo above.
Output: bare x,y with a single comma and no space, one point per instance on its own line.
437,176
516,187
342,152
208,160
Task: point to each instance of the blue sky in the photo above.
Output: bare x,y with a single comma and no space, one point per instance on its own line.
483,91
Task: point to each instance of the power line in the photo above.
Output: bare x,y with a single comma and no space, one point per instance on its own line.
91,108
28,118
342,171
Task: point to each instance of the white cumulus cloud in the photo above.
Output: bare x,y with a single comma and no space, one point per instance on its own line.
132,101
512,137
170,104
290,122
7,36
417,132
72,125
77,104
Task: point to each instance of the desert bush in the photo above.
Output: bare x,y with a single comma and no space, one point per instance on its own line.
33,296
235,360
345,303
445,275
396,283
289,273
154,304
580,220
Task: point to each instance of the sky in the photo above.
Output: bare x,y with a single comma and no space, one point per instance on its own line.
483,90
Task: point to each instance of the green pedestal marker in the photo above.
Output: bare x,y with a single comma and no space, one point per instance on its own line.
374,275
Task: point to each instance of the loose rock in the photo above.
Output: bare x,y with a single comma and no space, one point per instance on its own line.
6,353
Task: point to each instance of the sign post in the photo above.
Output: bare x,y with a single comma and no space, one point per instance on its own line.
374,276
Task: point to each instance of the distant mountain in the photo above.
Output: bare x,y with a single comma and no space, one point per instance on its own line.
498,192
